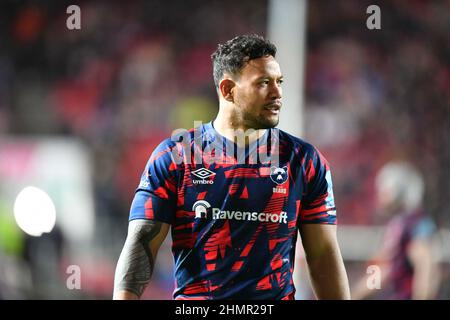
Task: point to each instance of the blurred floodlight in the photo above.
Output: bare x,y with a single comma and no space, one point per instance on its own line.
34,211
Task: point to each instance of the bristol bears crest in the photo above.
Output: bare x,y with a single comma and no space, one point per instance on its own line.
279,175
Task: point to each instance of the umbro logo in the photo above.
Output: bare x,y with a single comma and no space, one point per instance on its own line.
203,174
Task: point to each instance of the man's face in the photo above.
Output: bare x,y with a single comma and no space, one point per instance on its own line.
257,93
386,202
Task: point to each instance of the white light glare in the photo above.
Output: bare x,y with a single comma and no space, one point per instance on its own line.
34,211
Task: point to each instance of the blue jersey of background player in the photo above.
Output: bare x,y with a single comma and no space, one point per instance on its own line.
234,218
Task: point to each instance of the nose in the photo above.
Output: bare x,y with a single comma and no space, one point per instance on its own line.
276,91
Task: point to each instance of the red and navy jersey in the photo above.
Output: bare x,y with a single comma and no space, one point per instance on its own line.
234,221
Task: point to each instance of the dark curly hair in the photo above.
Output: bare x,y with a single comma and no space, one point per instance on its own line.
231,56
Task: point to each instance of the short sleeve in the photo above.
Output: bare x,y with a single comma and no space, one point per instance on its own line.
424,229
317,203
155,197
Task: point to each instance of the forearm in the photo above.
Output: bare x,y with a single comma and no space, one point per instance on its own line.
426,271
328,276
125,295
136,262
424,279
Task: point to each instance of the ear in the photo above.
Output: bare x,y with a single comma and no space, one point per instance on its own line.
226,87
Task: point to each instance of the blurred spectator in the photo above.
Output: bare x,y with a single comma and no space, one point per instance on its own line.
407,258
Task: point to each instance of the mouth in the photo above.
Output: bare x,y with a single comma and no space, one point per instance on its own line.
273,108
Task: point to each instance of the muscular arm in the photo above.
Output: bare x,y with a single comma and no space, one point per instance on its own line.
136,262
326,267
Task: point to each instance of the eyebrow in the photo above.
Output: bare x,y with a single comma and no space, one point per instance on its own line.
269,77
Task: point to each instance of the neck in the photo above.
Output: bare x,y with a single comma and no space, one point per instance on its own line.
232,127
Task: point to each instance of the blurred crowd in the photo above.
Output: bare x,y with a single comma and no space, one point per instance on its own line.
379,95
139,69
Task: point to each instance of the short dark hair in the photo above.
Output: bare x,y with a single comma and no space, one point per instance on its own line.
231,56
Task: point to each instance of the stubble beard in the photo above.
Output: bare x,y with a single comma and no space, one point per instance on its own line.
258,122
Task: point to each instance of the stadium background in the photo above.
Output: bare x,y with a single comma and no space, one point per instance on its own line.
81,110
